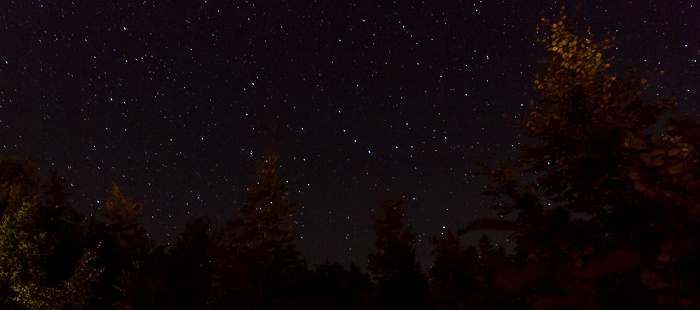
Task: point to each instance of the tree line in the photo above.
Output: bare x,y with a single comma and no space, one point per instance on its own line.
609,219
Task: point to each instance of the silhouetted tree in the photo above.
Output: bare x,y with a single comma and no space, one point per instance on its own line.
400,283
454,274
157,275
359,286
190,267
260,261
125,245
334,287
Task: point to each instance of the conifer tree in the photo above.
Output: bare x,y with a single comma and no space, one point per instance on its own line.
400,284
265,215
261,260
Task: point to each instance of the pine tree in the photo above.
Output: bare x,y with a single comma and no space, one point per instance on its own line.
400,284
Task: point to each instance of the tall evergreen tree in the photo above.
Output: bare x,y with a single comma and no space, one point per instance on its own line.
260,254
265,214
400,284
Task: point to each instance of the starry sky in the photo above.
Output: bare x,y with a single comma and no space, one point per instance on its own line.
172,100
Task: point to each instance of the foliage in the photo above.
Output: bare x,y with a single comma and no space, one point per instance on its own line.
125,245
624,187
25,248
122,214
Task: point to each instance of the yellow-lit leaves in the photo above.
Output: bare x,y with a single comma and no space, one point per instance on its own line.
666,172
577,54
120,210
601,145
23,252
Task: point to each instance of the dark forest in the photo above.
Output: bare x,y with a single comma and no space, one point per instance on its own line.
603,204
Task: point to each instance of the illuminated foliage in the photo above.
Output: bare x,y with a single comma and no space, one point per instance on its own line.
614,206
121,212
24,248
582,118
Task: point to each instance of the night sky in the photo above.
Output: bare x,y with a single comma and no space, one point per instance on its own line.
171,100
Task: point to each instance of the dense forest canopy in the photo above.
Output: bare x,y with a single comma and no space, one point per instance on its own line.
610,220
